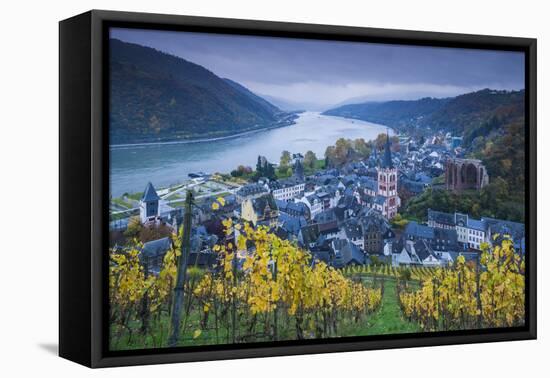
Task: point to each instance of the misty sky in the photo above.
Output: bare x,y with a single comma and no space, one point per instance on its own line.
316,75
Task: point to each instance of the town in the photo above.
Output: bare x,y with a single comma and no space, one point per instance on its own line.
346,215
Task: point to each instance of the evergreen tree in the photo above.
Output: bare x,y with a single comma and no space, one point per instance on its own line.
270,172
259,167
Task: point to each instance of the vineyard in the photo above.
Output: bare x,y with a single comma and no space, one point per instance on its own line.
274,293
264,288
415,273
466,297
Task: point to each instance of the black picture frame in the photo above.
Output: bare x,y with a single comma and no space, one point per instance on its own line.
84,187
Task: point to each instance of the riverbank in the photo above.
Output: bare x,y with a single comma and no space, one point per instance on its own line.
285,123
169,163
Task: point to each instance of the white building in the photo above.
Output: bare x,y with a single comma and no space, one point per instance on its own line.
286,190
415,253
469,231
313,202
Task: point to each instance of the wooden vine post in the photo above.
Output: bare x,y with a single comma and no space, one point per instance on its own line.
182,272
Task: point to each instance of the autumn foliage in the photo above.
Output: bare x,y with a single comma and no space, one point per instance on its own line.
262,288
467,296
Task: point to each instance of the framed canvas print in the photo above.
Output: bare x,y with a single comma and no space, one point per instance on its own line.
234,188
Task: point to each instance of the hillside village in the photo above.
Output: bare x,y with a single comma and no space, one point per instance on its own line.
344,216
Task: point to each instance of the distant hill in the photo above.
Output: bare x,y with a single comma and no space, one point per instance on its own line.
397,114
266,105
459,115
464,113
160,97
492,124
288,105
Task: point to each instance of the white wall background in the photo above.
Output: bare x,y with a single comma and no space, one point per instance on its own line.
29,186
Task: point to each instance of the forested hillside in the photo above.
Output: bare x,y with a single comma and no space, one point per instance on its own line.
464,114
156,96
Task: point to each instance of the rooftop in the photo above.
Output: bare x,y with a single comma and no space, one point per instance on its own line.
251,189
414,229
150,194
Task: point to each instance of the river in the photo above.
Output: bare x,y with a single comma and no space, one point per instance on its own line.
132,166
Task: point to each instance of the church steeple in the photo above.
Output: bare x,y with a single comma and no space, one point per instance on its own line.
386,160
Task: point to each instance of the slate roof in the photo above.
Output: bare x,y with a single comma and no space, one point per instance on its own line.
297,207
322,194
515,229
409,248
312,198
326,179
326,216
331,189
414,187
369,183
352,253
374,222
441,217
475,224
156,248
349,179
285,183
347,252
310,233
415,230
292,224
292,208
150,194
281,205
445,234
423,250
353,229
349,202
251,189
